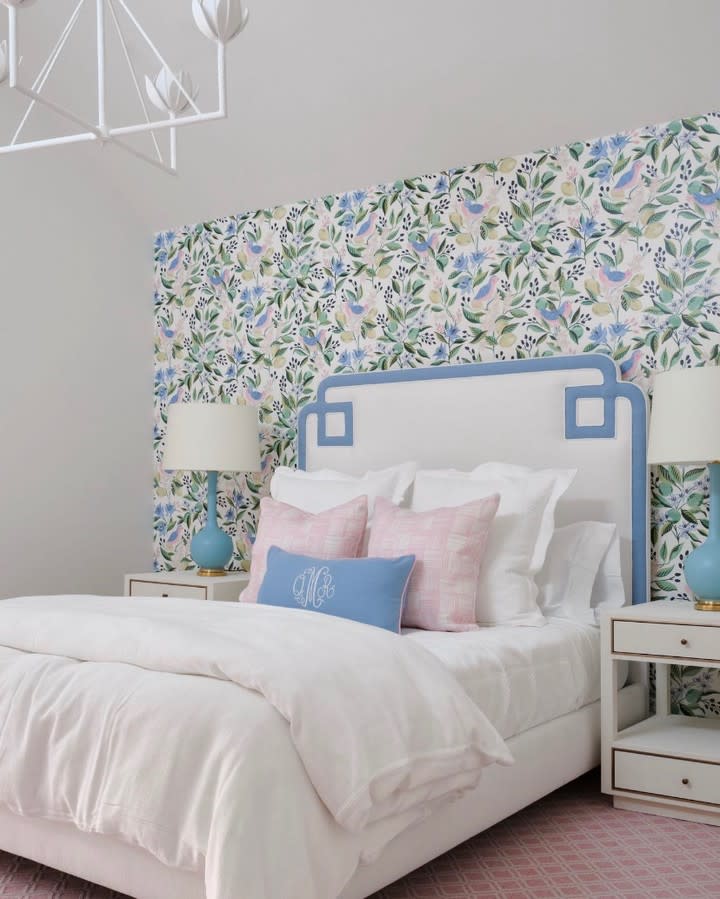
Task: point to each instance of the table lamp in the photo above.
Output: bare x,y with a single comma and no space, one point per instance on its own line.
212,437
685,430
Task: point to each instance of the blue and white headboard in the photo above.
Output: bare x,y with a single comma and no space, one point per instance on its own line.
556,411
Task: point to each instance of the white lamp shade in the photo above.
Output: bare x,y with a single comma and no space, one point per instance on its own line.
212,437
685,421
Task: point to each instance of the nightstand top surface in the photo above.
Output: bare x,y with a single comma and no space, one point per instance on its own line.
190,578
667,611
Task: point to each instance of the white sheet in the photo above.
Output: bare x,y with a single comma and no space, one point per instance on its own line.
210,733
521,677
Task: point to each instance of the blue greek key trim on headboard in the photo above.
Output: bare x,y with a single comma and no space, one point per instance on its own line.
608,391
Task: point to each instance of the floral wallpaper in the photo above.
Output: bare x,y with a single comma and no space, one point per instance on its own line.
611,245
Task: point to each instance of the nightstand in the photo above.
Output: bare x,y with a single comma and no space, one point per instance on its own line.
187,585
667,764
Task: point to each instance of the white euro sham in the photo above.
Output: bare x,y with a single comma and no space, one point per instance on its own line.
317,491
571,568
519,536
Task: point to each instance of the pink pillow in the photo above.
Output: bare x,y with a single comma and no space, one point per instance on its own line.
334,534
449,545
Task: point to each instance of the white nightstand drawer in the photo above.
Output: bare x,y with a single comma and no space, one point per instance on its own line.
177,591
664,776
671,640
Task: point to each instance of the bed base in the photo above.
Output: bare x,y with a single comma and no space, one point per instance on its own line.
546,757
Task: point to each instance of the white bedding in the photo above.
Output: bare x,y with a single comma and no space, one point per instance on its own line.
521,677
272,748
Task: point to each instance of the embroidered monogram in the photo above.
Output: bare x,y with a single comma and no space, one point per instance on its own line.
313,586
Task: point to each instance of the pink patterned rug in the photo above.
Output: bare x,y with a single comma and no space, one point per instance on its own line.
570,845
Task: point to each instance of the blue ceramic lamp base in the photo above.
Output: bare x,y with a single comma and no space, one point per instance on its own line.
211,548
702,566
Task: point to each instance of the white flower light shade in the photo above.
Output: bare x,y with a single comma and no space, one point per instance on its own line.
220,20
3,62
165,91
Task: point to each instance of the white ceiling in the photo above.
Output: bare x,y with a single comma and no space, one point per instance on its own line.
333,94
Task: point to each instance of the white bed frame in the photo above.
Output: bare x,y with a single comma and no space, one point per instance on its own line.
557,411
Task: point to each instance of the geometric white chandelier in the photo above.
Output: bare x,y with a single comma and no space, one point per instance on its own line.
171,92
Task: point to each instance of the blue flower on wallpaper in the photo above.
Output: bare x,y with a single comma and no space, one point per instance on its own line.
452,332
603,172
599,149
618,142
618,329
588,226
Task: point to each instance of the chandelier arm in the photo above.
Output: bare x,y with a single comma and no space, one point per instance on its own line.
163,124
222,77
59,110
160,57
47,68
12,46
133,73
173,145
138,154
49,142
101,91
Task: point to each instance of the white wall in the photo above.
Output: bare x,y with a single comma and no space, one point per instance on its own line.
75,381
326,95
334,94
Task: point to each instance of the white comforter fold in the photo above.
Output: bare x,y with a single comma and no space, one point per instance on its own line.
101,725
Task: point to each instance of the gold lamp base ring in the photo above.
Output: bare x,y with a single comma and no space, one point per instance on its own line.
212,572
707,605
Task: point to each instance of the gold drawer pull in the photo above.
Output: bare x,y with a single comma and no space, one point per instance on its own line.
683,642
685,781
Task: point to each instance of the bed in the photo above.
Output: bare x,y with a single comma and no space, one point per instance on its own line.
578,413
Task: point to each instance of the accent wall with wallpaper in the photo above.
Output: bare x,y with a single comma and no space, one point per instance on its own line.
610,246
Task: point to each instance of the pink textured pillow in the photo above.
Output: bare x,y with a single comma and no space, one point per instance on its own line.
334,534
449,545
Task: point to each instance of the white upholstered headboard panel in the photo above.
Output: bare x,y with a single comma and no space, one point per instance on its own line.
556,411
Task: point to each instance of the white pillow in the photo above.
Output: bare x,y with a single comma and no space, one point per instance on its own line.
609,590
519,536
559,478
318,491
571,569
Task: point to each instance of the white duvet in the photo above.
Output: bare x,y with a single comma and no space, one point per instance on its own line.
273,748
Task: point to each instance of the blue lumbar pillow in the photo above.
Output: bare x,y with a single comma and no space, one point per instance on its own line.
371,591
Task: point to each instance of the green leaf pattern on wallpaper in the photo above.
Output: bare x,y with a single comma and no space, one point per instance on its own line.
607,246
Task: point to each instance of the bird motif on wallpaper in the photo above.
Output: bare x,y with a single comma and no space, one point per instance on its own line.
421,244
631,366
554,315
253,394
310,338
263,321
630,179
366,227
612,278
355,308
254,248
474,207
706,202
486,293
